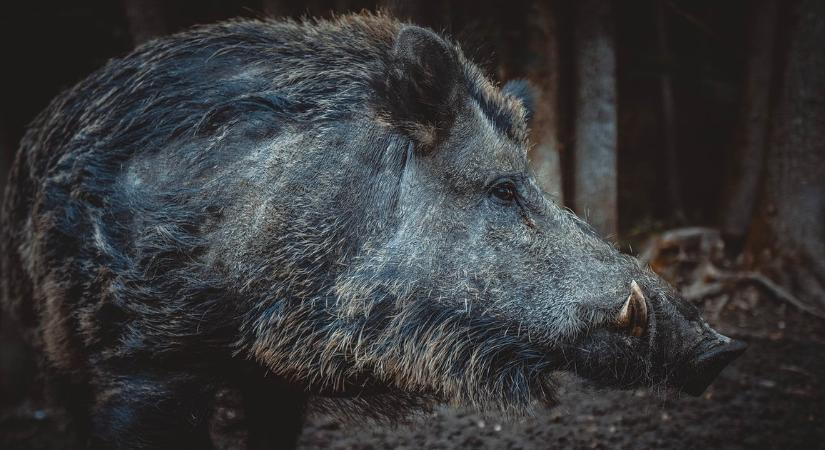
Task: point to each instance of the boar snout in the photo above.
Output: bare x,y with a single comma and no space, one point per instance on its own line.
709,362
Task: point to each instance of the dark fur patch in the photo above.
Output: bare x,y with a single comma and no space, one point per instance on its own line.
106,219
420,85
521,90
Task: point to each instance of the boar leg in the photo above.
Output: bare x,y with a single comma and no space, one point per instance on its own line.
152,410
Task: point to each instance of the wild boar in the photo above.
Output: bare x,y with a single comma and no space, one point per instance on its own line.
334,208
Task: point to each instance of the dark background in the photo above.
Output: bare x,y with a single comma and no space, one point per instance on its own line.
48,48
691,132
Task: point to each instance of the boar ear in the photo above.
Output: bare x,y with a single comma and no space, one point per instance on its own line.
523,92
422,83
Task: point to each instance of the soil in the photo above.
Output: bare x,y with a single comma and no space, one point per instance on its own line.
772,397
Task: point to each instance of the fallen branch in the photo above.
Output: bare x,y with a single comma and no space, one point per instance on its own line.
725,280
706,278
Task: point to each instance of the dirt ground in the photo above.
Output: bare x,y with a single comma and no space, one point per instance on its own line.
773,397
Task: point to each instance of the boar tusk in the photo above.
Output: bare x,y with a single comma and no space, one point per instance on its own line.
633,315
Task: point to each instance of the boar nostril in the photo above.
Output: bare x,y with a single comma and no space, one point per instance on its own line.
709,364
633,315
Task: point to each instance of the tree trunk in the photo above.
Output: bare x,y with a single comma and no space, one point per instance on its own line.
668,113
788,237
436,15
746,166
147,19
275,8
405,9
7,151
545,75
595,159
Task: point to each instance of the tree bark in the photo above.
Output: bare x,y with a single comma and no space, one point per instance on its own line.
595,140
547,127
146,18
668,114
436,15
746,167
275,8
7,152
788,237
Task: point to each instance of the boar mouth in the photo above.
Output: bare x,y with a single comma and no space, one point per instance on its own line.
641,346
615,366
708,364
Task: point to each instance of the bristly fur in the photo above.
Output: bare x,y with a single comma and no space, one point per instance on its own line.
311,201
115,264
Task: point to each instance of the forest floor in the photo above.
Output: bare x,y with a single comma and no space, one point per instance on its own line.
772,397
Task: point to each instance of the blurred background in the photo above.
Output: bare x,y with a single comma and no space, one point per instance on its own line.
691,132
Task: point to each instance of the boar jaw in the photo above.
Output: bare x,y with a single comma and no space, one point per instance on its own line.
709,363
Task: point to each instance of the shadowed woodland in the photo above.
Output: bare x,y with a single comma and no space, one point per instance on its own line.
689,132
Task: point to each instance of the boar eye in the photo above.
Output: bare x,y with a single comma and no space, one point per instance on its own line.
504,191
